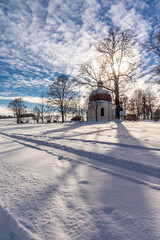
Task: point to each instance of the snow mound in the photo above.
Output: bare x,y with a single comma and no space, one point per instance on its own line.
14,230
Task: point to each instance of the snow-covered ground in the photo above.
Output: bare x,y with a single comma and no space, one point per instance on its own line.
80,181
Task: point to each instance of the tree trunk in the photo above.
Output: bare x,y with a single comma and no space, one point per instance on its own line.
96,115
96,112
151,114
62,113
117,109
144,108
18,119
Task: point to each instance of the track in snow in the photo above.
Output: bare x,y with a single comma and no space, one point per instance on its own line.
137,172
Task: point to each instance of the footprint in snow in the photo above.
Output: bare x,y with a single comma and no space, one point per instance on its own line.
60,158
108,210
84,182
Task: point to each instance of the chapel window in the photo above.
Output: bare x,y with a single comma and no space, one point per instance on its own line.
102,112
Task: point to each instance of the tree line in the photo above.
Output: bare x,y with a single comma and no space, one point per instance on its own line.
142,104
61,100
117,65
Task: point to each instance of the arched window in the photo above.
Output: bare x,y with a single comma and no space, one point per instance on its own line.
102,112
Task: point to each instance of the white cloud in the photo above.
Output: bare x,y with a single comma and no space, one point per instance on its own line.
57,35
40,38
5,111
130,19
25,98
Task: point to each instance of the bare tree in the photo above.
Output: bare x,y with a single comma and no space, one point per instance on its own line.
95,106
36,111
74,107
117,63
136,102
60,94
91,74
151,102
18,107
40,110
131,107
49,113
41,107
125,102
153,45
78,106
143,103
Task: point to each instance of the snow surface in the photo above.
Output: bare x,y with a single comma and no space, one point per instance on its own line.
80,181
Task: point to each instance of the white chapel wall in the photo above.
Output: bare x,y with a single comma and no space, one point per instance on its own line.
107,111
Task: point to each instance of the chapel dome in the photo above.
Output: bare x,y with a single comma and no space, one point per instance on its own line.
100,94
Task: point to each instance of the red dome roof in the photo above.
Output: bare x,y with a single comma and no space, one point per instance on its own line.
100,95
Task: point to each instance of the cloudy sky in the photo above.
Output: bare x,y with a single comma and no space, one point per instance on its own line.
42,38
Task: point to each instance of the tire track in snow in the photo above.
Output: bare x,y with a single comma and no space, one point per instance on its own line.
137,172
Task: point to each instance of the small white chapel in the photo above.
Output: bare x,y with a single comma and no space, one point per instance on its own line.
99,105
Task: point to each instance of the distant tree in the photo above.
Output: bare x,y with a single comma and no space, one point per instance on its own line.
36,112
157,114
40,110
143,103
42,107
117,64
125,102
60,94
151,102
78,105
83,110
18,107
135,103
48,113
131,107
74,111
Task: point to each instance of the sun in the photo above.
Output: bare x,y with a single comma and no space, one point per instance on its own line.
119,67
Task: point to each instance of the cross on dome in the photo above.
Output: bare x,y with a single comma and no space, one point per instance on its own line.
100,83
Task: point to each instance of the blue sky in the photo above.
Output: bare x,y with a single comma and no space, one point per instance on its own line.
41,38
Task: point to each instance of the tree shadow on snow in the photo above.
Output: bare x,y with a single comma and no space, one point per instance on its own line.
112,209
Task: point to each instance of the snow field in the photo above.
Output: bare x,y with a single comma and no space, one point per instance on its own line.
80,181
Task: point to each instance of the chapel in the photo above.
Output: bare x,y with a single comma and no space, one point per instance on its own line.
99,105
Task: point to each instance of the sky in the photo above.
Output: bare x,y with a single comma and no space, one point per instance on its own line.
40,39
